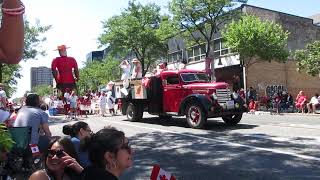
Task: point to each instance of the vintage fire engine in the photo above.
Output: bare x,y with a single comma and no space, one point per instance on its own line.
179,93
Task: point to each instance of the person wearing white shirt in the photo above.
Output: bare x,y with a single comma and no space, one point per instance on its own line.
102,104
110,103
73,104
314,102
4,115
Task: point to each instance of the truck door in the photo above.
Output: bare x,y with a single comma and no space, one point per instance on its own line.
172,93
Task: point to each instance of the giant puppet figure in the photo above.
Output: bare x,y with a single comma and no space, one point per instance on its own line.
65,70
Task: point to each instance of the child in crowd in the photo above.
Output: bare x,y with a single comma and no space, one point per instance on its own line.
73,105
110,103
252,106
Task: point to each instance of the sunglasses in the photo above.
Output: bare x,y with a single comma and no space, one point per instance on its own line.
59,153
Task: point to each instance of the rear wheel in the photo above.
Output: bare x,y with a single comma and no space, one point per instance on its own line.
196,117
134,112
232,119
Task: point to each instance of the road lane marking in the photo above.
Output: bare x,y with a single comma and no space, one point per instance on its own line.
226,142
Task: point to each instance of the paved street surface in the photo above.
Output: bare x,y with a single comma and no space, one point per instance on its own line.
260,147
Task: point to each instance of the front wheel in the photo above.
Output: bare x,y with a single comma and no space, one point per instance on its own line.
196,117
134,112
232,119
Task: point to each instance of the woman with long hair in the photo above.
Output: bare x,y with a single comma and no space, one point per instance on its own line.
61,162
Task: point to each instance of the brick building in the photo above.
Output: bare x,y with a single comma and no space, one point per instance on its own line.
263,76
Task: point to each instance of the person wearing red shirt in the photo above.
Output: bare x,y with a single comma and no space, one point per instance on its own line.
301,100
252,106
65,70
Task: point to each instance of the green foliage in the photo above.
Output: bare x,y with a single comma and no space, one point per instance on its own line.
309,58
201,19
43,90
33,39
136,30
32,48
252,37
6,142
98,73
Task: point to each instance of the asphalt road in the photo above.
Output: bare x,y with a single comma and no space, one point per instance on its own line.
260,147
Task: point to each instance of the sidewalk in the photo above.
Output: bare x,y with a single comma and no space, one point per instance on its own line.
283,113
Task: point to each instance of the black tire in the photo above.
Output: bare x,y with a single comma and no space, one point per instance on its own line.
232,119
134,112
196,116
165,117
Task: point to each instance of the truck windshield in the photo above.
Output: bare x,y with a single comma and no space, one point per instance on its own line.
194,77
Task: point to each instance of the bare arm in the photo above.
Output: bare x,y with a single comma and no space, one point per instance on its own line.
3,101
46,129
76,70
11,35
39,175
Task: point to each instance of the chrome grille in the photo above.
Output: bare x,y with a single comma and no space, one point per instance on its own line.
223,95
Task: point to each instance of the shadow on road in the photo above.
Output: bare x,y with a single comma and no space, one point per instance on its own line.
194,157
212,124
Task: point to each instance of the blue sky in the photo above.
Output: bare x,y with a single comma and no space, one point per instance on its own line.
77,23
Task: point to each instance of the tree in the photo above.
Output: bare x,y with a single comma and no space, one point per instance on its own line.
33,40
43,90
201,19
309,58
135,30
256,40
98,73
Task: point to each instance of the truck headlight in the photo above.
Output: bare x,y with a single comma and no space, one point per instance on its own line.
214,96
235,95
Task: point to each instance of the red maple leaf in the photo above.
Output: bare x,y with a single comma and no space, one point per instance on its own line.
163,177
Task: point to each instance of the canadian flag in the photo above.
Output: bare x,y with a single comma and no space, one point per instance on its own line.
159,174
34,149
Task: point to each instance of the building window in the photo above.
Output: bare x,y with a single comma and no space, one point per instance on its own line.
175,56
196,53
220,48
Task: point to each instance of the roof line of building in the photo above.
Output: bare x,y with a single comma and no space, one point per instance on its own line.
307,18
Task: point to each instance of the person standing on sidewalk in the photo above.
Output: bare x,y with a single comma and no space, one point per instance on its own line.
110,103
102,104
4,114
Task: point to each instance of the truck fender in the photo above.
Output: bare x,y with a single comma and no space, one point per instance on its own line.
202,99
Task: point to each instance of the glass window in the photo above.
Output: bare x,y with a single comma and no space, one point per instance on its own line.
172,79
216,45
188,77
203,48
223,44
225,51
195,77
196,51
216,53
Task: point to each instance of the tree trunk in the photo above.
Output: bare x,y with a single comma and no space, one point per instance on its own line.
142,66
1,68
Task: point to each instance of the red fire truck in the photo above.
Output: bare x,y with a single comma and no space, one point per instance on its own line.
181,93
